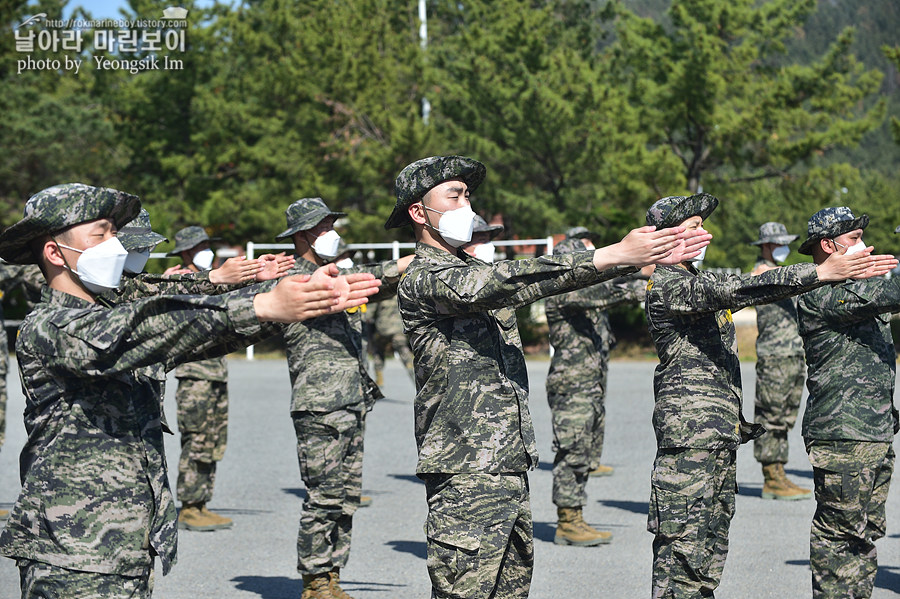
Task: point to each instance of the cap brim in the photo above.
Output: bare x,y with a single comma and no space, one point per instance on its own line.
15,241
472,174
134,241
845,226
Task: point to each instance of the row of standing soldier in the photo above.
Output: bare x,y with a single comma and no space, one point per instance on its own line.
458,312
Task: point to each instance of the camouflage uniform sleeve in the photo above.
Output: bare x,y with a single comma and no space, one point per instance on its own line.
622,290
856,301
710,292
387,272
470,287
148,285
170,329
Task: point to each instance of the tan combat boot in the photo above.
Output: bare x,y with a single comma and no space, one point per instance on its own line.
4,514
317,586
336,589
602,470
379,378
365,501
195,516
777,485
573,530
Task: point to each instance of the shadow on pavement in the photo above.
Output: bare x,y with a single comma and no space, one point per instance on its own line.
301,493
544,531
545,466
407,477
799,473
270,587
750,490
636,507
416,548
282,587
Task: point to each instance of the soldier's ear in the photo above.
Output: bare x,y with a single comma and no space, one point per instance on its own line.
827,246
52,254
417,213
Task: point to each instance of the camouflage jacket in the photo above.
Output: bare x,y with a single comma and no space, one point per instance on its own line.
777,325
471,407
850,360
581,336
95,493
325,354
697,385
386,320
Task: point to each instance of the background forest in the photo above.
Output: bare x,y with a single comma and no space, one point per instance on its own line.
585,112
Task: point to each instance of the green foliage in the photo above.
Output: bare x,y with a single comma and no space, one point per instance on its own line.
583,113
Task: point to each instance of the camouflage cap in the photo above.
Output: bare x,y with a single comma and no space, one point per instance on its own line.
190,237
831,222
673,210
570,245
579,233
62,206
138,234
304,214
417,178
481,226
773,232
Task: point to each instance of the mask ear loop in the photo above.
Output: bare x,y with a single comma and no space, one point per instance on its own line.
69,268
428,220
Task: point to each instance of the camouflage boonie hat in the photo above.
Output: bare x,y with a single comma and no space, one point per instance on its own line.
138,234
897,230
481,226
831,222
190,237
62,206
772,232
673,210
417,178
304,214
570,245
579,233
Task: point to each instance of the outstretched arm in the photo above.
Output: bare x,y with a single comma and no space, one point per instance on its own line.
302,297
646,245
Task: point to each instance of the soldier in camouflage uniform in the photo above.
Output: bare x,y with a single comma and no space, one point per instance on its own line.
95,505
11,275
331,394
202,400
473,430
850,420
483,235
387,335
576,385
697,388
779,371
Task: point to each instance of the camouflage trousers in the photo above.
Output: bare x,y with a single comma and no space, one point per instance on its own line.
578,425
691,507
852,479
779,386
330,451
43,581
4,370
479,534
382,343
203,424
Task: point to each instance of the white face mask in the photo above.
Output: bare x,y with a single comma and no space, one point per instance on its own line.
203,259
345,263
780,253
856,247
456,226
326,245
100,267
485,252
701,256
136,260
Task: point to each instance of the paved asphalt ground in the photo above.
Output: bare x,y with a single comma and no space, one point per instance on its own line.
259,487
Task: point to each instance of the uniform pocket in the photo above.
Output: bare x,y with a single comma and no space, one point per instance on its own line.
453,545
